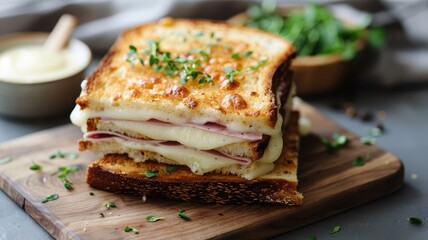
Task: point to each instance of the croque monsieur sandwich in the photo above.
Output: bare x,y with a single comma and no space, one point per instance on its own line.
193,110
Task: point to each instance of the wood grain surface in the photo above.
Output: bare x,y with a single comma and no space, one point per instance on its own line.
328,181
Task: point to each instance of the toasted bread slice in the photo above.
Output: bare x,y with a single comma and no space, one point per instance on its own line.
248,104
118,173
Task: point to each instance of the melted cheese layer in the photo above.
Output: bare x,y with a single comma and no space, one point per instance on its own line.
199,162
187,136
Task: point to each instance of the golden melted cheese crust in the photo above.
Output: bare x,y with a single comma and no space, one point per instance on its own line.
249,100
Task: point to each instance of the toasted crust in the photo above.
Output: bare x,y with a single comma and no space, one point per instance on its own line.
251,99
118,173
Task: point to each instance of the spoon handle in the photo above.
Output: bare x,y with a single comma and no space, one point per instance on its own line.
61,33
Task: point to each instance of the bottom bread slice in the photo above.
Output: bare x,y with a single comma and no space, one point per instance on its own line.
120,174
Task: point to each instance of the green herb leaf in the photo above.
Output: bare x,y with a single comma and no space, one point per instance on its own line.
182,215
335,230
338,141
109,204
170,169
60,154
235,55
35,167
151,173
68,184
231,73
312,237
260,63
49,198
368,140
358,161
6,160
377,37
132,48
415,220
129,229
247,54
152,218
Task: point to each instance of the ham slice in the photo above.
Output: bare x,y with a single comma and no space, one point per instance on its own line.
97,136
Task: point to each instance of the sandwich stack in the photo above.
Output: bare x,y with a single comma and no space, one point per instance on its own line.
193,110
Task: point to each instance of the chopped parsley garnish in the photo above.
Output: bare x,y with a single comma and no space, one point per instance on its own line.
235,55
109,204
5,160
91,193
173,64
247,54
231,73
182,215
238,55
415,220
68,184
35,167
338,141
170,169
358,161
368,140
151,173
129,229
312,237
51,197
152,218
64,173
260,63
335,230
60,154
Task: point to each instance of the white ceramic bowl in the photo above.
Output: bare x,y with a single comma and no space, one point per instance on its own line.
48,98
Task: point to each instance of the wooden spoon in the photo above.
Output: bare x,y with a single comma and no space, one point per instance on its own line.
61,34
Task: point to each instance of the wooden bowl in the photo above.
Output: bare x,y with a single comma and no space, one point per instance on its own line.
316,74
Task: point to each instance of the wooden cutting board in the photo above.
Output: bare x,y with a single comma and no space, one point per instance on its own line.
328,181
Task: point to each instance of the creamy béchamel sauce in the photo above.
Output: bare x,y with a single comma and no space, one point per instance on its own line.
35,64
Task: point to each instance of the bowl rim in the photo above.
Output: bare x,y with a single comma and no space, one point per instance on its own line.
42,35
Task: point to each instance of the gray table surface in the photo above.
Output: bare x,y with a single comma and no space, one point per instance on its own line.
384,218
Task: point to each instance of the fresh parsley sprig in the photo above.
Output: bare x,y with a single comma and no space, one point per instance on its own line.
336,229
50,198
337,141
151,173
170,170
129,229
182,215
108,204
152,218
60,154
415,220
231,73
64,171
35,166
